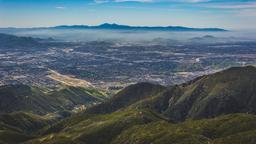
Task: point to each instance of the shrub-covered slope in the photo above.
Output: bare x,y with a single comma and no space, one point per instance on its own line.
226,92
229,129
213,109
36,100
95,129
127,96
19,127
144,127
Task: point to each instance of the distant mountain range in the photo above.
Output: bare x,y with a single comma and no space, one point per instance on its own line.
108,26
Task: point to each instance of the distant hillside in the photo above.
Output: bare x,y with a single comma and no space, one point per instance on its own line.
126,27
36,100
207,39
12,42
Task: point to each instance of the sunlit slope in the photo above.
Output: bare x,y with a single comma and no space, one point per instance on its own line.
68,80
229,129
226,92
96,129
40,101
136,127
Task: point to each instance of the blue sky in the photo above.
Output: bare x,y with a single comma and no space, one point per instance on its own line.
236,14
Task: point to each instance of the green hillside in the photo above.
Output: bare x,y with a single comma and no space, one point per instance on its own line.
25,122
226,92
36,100
137,127
212,109
126,97
96,129
19,126
229,129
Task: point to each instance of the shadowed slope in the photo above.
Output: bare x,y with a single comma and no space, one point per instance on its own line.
127,96
19,127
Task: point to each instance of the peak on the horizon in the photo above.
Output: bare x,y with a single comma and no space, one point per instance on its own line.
109,24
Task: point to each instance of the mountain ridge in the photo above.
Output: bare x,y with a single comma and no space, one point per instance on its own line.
114,26
213,109
127,27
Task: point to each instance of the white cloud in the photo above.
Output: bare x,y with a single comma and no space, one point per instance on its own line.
60,7
249,13
238,5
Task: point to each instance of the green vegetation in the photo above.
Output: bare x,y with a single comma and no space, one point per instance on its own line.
126,97
11,137
19,127
43,101
226,92
208,131
25,122
136,127
213,109
97,129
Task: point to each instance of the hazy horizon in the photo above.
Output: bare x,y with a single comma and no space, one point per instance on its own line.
226,14
98,24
